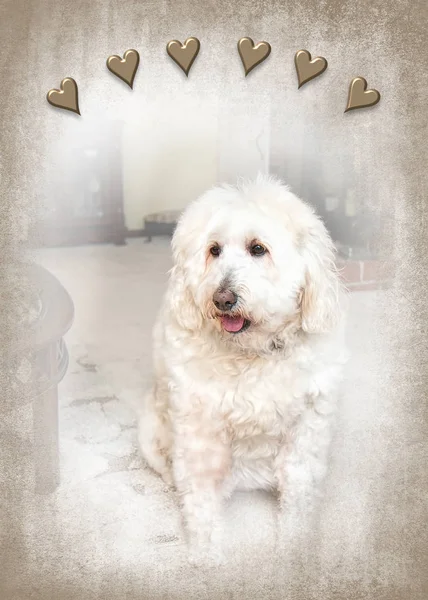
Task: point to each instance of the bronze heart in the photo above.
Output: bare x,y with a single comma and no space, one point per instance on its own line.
252,55
67,97
308,68
125,68
184,54
359,96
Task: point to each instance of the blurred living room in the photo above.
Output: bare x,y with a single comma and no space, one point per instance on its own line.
113,193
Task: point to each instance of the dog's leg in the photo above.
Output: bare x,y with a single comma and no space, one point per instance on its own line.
301,466
201,462
154,437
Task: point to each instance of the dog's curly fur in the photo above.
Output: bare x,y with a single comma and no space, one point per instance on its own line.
250,409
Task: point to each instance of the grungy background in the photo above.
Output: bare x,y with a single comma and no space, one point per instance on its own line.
45,41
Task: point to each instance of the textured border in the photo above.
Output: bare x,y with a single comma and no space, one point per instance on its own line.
44,41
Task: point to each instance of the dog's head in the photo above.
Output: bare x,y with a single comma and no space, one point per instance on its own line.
253,262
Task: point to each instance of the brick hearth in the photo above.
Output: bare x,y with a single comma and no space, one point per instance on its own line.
364,275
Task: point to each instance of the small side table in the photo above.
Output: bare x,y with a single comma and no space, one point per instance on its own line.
160,223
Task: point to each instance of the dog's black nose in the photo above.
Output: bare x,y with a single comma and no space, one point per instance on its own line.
225,299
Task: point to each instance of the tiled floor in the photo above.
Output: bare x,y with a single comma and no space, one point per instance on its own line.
112,522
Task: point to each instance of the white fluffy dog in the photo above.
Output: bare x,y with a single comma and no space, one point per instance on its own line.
248,355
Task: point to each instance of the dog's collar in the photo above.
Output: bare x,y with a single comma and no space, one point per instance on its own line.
277,345
283,346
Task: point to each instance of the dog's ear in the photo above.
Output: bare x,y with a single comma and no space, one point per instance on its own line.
181,302
180,297
321,294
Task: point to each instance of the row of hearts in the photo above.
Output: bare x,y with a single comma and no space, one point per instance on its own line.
185,54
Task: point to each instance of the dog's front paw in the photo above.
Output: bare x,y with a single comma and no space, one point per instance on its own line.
293,527
168,478
206,555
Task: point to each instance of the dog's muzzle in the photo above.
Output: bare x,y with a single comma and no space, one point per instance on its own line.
225,300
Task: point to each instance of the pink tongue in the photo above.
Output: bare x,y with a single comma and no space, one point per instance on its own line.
232,324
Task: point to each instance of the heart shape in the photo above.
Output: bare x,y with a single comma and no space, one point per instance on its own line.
125,68
252,55
184,54
67,97
359,96
308,68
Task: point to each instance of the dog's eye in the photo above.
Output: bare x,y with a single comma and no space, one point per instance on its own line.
215,250
257,250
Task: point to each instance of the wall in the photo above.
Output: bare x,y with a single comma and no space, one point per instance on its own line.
175,150
170,156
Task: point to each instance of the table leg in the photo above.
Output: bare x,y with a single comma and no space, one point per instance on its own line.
45,431
46,441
